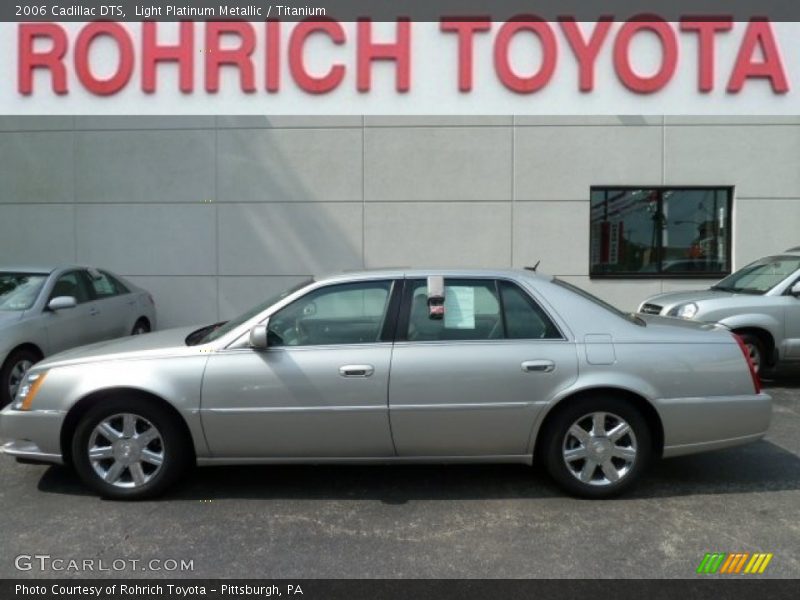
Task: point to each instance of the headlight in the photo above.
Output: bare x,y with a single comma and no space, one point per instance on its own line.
27,390
687,311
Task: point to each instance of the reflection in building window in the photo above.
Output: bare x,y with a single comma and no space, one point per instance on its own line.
661,232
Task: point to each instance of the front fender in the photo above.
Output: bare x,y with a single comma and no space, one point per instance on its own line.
756,320
19,333
176,380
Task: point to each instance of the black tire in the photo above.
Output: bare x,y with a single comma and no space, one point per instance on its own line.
757,351
173,444
555,442
15,358
141,327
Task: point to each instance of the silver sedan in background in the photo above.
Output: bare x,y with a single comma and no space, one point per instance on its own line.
396,366
44,310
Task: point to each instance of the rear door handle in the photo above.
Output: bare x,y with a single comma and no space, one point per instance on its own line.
356,370
538,366
93,312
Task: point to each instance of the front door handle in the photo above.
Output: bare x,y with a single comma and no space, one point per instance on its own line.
356,370
93,312
538,366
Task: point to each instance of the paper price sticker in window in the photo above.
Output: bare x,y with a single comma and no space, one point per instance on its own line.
459,308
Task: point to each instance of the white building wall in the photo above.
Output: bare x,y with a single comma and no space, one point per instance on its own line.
213,213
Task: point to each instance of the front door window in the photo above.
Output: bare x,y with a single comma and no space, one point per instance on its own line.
352,313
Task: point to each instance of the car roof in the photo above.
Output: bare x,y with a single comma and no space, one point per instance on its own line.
400,272
39,269
782,256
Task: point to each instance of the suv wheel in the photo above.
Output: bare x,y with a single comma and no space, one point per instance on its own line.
755,347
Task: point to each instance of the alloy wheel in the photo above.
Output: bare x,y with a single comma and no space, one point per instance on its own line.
599,449
17,376
126,450
755,355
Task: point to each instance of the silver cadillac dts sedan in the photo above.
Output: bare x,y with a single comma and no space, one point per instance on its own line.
396,366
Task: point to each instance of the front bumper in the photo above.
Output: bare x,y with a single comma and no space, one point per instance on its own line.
25,450
32,435
694,425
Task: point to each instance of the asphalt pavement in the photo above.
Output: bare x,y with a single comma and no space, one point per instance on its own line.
417,521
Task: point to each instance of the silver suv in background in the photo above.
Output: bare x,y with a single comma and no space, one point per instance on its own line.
760,302
44,310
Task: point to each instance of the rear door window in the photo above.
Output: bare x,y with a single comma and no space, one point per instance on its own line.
525,319
471,312
477,309
120,287
103,285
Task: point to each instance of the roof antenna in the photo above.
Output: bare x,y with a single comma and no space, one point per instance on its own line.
534,267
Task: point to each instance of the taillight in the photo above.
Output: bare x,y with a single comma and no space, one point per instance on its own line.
753,373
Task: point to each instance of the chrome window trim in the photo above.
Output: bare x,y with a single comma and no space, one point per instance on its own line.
246,347
238,338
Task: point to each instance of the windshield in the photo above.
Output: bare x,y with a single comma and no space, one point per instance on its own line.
761,276
601,303
18,291
213,332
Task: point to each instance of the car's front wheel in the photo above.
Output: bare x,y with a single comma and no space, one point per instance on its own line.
129,449
755,348
13,371
597,447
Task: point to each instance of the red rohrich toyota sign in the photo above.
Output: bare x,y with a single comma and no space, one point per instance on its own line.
380,65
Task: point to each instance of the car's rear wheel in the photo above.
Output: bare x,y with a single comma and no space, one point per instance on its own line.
141,327
755,348
13,372
597,447
129,449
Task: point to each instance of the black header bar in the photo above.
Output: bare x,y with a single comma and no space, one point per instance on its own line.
390,10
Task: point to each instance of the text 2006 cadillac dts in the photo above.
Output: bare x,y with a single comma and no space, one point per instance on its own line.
396,366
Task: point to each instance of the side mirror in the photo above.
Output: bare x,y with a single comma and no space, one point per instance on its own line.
62,302
795,291
258,337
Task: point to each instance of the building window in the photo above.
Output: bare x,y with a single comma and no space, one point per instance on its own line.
660,232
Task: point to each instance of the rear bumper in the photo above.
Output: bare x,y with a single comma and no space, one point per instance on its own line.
32,435
694,425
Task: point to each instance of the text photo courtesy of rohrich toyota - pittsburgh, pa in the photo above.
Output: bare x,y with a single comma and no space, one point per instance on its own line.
384,300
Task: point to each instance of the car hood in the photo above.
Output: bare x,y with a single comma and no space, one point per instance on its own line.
673,298
170,342
656,323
